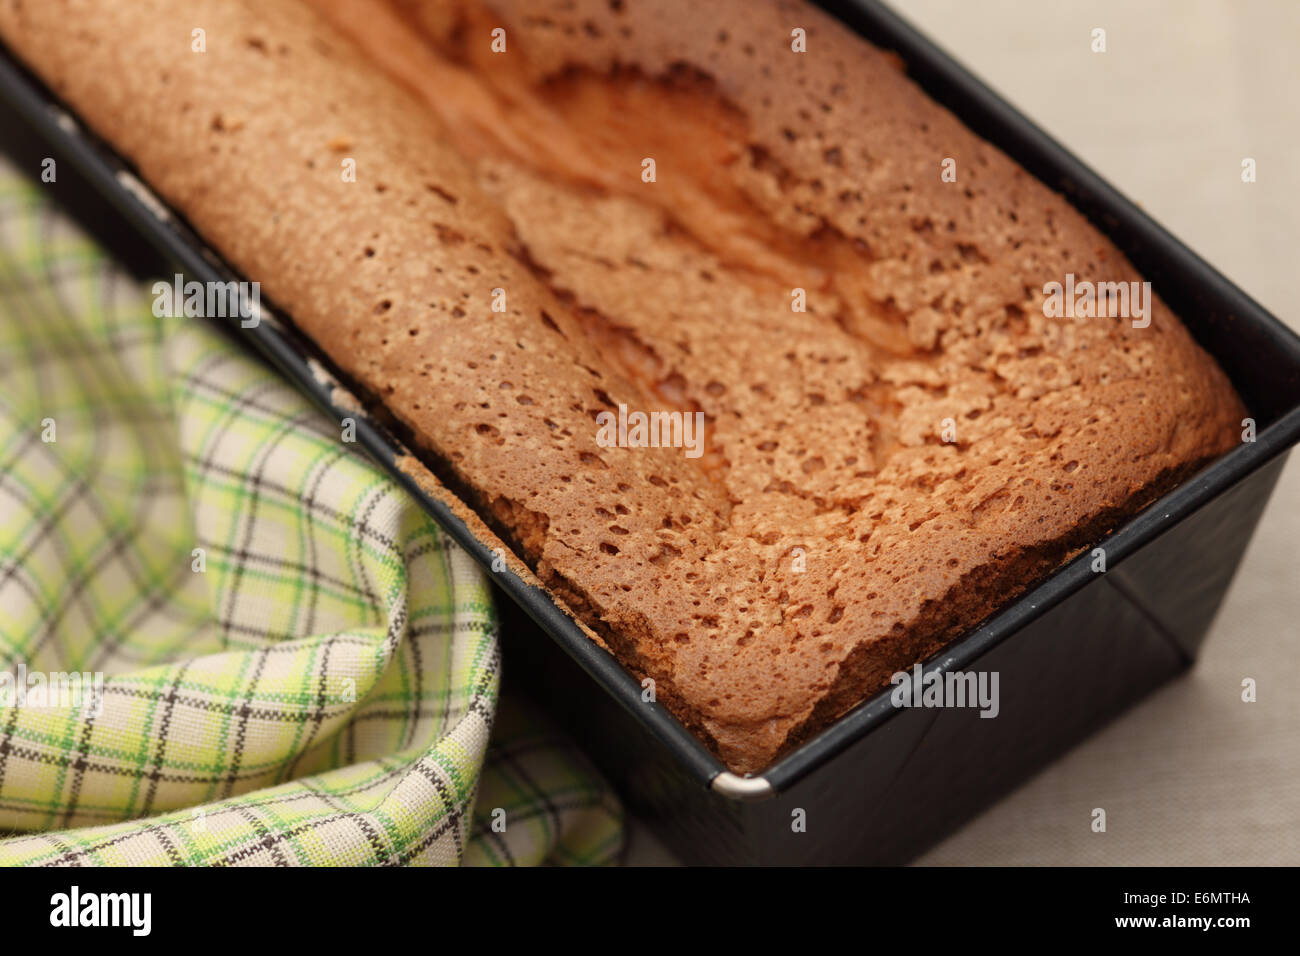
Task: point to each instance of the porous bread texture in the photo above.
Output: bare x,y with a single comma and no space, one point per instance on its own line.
822,171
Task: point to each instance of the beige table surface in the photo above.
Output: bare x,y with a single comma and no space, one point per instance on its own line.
1186,89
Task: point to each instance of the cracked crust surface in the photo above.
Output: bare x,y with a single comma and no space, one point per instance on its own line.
776,171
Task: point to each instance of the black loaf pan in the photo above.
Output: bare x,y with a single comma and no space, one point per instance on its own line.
882,783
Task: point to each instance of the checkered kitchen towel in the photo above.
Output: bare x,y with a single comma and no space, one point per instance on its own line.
298,666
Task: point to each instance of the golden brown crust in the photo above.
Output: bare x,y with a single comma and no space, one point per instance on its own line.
925,304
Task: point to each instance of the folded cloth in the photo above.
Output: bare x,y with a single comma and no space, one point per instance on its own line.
225,636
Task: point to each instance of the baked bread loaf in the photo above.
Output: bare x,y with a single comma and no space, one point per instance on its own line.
878,472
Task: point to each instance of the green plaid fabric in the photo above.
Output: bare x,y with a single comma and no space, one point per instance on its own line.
298,666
